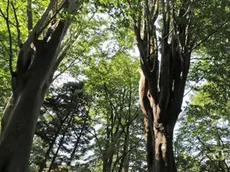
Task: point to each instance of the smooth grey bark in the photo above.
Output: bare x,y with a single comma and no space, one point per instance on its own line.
32,81
21,124
24,59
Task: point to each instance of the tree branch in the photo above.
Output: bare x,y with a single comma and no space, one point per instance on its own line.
69,66
211,34
55,14
17,26
2,14
6,17
10,38
29,15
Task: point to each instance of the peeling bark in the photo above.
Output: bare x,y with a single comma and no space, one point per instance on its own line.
162,82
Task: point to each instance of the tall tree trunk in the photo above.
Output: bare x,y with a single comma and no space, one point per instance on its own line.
162,81
107,161
21,124
35,67
164,160
124,164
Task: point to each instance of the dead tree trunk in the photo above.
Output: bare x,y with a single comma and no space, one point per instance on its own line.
163,79
35,67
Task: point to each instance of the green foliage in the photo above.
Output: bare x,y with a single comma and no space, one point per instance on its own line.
113,84
63,125
204,132
98,46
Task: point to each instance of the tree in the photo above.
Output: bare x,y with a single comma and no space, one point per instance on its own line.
37,60
162,80
166,33
117,126
63,127
163,77
203,137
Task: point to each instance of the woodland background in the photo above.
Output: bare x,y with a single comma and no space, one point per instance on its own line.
91,119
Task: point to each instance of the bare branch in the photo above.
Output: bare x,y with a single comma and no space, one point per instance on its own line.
130,150
29,15
97,139
63,71
211,34
17,26
6,17
2,14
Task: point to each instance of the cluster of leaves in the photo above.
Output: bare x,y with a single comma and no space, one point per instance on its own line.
203,139
116,115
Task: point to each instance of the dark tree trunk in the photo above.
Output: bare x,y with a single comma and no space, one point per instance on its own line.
20,130
21,123
35,67
162,81
108,159
124,164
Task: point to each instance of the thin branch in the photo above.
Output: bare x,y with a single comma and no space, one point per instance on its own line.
211,34
69,66
59,60
29,15
97,139
223,146
66,49
113,107
191,89
188,92
2,14
130,150
10,37
5,18
210,151
226,165
199,139
17,26
206,155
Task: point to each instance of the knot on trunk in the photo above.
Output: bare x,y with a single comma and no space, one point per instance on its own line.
160,127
